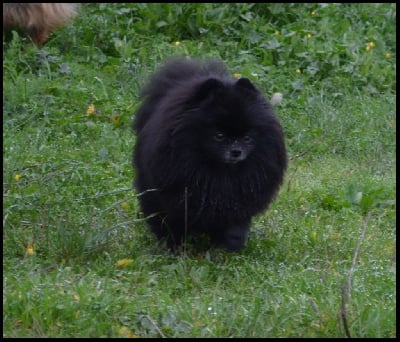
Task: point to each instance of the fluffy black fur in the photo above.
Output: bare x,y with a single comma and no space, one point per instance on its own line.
209,153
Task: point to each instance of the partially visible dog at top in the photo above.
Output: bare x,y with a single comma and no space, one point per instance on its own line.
37,20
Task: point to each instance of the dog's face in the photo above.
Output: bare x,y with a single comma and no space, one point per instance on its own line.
228,149
228,135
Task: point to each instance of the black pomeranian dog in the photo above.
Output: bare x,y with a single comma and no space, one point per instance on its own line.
209,154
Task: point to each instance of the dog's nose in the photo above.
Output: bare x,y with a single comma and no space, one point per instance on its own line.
236,153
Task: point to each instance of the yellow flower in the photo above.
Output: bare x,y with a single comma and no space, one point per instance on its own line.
123,263
236,76
177,43
369,46
298,71
276,33
388,55
125,205
313,13
309,35
126,332
17,177
314,235
30,250
90,109
116,120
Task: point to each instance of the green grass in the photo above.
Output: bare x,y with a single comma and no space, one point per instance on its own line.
70,216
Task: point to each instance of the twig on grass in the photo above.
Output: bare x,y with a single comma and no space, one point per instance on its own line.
289,183
155,325
186,221
315,142
346,288
5,219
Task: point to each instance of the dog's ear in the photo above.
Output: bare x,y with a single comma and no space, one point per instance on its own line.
207,88
245,83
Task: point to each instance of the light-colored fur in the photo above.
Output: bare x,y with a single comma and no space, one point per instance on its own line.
37,19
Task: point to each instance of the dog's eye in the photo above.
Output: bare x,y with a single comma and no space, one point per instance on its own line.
247,139
219,136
